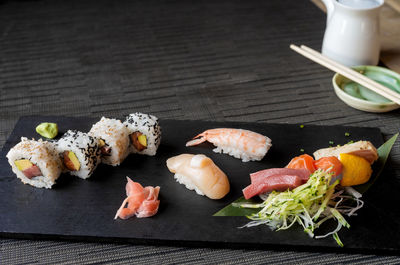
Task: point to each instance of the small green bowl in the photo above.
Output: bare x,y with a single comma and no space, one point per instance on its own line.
362,98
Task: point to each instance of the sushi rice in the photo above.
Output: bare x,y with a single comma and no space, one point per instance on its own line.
86,149
116,136
148,126
40,153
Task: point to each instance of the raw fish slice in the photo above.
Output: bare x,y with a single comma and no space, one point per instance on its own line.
364,149
275,179
199,173
301,162
276,182
260,176
329,163
32,172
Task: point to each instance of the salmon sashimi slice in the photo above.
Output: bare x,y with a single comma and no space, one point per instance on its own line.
270,183
330,164
140,201
303,161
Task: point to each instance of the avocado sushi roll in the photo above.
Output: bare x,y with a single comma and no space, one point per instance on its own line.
35,162
144,133
113,139
79,152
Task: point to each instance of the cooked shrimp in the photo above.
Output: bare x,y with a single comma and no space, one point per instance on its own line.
239,143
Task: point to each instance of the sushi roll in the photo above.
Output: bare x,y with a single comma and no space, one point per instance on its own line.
79,152
144,133
35,162
113,140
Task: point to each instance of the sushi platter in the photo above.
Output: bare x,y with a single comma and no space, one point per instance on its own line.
84,209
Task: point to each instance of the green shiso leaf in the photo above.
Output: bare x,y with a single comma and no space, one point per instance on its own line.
383,152
231,210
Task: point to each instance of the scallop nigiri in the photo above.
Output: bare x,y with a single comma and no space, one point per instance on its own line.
239,143
199,173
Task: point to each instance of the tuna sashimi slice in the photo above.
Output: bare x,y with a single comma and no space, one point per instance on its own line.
260,176
275,179
270,183
32,172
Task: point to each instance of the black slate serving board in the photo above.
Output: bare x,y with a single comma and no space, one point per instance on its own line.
84,209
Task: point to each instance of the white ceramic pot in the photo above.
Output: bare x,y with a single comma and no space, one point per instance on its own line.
352,31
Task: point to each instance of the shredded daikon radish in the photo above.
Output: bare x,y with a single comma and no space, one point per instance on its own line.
309,205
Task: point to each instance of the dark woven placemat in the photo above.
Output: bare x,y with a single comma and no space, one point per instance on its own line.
212,60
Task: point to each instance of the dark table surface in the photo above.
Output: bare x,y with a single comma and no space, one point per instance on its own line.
208,60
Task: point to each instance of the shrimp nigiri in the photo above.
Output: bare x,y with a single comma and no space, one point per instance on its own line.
239,143
199,173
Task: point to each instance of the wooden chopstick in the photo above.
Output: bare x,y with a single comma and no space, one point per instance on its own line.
350,71
347,72
393,4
